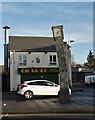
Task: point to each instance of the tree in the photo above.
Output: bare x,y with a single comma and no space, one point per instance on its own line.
90,64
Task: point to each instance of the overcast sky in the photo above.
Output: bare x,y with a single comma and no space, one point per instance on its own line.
37,18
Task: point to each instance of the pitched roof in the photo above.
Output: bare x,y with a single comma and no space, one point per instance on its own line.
24,42
51,48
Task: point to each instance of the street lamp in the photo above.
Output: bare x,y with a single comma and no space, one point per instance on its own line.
61,48
70,41
6,28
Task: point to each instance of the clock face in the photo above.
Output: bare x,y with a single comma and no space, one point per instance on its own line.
57,32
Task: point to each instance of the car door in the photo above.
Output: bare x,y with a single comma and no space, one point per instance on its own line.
36,87
49,88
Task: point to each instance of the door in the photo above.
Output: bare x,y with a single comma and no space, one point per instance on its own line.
35,87
49,88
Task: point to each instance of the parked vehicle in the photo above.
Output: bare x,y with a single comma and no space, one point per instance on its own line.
38,87
90,79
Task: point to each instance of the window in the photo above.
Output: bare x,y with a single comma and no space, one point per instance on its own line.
49,84
22,59
41,83
52,59
35,83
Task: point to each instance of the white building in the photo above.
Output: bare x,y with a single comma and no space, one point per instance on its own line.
32,58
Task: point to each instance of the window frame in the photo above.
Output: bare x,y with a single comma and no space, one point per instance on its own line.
52,59
23,59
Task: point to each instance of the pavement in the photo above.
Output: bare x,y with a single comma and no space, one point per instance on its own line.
14,104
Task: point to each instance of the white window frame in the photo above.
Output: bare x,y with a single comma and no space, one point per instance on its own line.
52,60
22,59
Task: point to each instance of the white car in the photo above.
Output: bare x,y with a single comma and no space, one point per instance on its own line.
38,87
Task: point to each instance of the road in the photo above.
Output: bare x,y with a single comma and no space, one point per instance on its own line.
81,107
48,118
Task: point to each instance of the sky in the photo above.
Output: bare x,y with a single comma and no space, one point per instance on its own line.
37,18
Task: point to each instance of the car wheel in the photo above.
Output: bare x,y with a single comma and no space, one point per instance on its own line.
28,95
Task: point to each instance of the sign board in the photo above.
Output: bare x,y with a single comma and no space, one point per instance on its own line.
37,70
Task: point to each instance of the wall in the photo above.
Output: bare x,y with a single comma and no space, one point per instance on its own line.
31,62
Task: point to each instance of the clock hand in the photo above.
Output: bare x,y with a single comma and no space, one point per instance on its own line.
57,32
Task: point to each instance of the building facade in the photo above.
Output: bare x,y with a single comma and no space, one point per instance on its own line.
32,58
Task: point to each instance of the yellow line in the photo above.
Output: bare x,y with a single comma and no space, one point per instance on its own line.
48,115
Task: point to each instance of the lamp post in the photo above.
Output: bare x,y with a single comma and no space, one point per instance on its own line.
6,28
61,48
69,62
6,55
69,66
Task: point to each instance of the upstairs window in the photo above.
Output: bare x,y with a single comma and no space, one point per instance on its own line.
22,59
52,59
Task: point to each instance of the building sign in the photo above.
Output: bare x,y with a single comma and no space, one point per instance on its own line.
36,70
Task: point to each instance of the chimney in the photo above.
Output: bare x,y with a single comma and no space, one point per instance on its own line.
6,28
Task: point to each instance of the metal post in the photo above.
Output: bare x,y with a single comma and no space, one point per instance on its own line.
6,56
6,49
